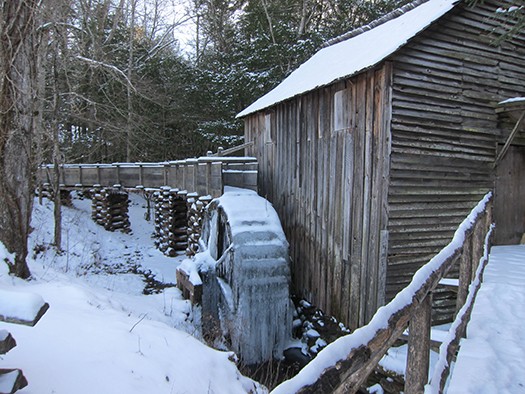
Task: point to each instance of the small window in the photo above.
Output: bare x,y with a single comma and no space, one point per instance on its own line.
339,110
268,128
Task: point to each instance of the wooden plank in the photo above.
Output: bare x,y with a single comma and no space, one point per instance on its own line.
368,274
359,92
27,322
418,357
7,342
12,380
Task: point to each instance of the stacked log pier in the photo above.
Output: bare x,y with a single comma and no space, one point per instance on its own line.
110,208
170,220
179,223
196,206
98,205
46,191
117,217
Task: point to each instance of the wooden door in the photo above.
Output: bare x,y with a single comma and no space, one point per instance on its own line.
509,202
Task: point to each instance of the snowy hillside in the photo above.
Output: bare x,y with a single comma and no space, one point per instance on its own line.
101,333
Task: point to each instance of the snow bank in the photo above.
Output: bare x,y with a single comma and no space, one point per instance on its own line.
96,348
101,334
339,349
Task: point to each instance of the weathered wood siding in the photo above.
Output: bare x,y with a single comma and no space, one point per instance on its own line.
323,163
510,192
446,84
414,155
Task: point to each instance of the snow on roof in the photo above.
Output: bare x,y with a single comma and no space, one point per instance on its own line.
355,54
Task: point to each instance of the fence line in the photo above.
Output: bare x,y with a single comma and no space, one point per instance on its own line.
344,365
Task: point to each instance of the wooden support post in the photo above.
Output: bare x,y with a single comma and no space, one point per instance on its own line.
465,272
61,173
166,170
419,347
118,173
141,175
99,181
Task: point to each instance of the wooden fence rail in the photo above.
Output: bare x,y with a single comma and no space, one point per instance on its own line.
204,175
344,365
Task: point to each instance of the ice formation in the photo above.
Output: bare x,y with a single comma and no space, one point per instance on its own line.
245,272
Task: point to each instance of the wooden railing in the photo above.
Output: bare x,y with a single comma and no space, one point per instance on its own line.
344,365
204,175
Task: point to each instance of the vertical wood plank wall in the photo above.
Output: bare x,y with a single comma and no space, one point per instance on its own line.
323,163
366,205
446,85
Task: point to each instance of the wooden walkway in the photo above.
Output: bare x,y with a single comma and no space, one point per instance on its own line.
204,175
491,358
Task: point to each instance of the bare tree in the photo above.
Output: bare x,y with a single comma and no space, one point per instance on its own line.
19,68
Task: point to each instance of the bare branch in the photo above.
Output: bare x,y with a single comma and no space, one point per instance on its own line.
107,66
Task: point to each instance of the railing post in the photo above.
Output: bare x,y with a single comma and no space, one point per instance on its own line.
465,272
166,176
477,241
419,347
61,174
99,180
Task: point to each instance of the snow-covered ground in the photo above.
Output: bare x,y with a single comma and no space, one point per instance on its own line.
101,333
492,357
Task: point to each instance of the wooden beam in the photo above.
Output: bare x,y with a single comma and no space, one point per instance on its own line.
508,142
226,152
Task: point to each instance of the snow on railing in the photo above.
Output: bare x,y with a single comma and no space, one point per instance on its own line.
448,348
346,363
204,175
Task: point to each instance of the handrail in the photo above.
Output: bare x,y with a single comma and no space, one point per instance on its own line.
203,175
345,364
229,151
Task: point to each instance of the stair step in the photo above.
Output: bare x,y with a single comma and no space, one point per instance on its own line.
11,380
21,308
7,342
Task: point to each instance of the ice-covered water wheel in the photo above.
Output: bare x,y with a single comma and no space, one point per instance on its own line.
245,273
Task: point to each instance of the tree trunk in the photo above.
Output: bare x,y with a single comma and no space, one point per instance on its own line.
18,99
129,120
